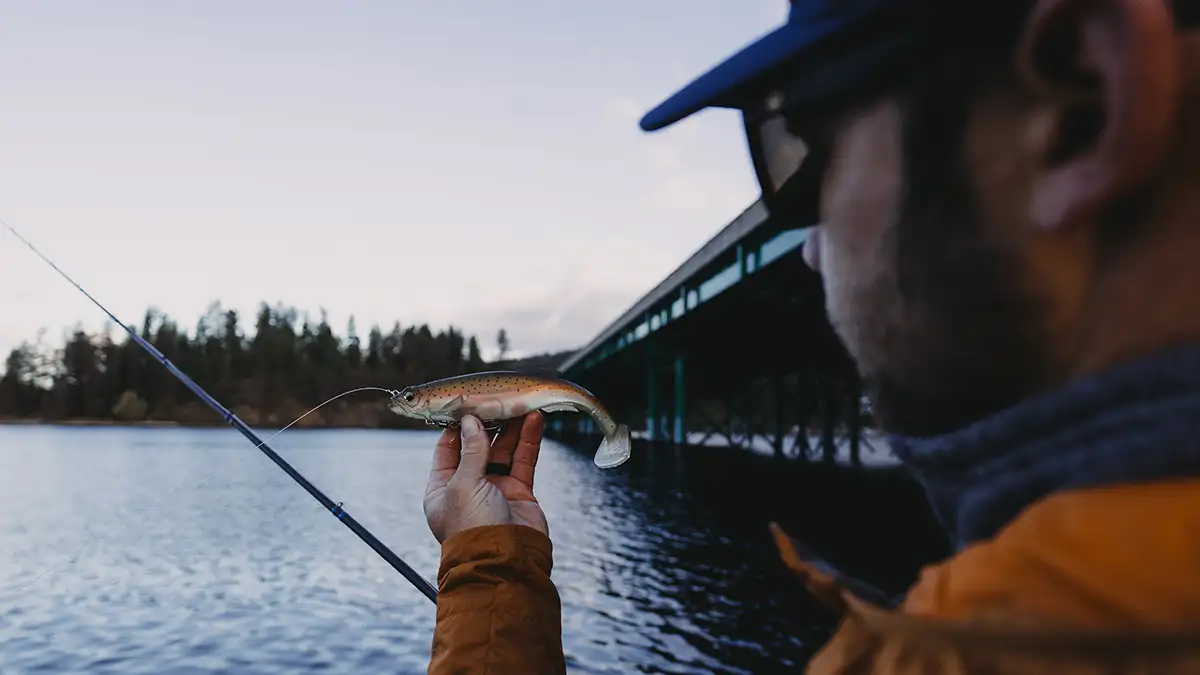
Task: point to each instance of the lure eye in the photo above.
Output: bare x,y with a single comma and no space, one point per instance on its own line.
408,396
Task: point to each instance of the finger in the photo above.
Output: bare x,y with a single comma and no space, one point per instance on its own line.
505,443
529,444
445,457
473,456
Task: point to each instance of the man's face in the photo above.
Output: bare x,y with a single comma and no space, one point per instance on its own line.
926,280
1003,223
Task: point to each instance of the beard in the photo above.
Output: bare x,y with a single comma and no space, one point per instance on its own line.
963,337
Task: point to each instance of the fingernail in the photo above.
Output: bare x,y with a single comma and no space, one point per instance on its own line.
470,427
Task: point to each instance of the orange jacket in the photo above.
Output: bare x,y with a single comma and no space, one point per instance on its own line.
497,611
1104,580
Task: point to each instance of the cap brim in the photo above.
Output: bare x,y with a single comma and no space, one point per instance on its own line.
719,87
823,58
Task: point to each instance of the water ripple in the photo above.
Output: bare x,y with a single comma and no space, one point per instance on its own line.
153,573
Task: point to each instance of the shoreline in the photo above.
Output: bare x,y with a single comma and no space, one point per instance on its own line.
172,424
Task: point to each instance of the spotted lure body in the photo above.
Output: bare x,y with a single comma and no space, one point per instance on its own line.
496,396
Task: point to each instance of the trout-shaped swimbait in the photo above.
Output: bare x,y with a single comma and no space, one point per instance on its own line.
496,396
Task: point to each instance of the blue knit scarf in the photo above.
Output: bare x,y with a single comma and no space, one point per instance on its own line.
1136,422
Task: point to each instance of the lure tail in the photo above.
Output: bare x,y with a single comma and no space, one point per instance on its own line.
614,449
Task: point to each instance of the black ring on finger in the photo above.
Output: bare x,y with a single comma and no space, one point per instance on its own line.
498,469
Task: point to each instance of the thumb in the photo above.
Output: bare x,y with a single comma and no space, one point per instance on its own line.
475,448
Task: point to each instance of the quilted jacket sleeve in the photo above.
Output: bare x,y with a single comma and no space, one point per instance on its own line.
498,611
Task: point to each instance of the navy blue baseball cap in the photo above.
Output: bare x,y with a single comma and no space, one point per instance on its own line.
826,51
829,52
818,35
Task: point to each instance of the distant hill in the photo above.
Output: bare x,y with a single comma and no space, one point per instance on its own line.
539,364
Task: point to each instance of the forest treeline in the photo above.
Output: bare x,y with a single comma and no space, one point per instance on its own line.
289,364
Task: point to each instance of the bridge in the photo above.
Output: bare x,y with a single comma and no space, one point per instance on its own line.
732,348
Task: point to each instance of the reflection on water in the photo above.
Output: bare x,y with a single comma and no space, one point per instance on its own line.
186,551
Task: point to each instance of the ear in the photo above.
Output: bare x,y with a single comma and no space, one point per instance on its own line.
1107,73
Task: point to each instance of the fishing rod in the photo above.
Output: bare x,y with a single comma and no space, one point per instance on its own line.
335,508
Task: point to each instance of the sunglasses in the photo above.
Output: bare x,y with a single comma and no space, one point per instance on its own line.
788,127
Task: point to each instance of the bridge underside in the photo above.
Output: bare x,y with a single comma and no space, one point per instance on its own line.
757,365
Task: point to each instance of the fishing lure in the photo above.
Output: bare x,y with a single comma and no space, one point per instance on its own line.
496,396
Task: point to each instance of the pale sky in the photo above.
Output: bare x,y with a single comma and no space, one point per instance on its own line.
468,163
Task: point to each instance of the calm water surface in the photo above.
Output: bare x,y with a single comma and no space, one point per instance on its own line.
187,551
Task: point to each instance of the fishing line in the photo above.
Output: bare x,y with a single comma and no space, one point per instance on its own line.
390,392
335,508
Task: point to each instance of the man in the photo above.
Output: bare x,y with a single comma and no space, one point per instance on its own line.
1008,194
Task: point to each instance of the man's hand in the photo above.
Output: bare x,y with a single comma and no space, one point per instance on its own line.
460,495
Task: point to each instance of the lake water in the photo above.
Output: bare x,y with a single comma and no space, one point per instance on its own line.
187,551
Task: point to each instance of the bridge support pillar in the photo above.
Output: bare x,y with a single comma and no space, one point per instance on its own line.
680,435
653,430
855,423
780,404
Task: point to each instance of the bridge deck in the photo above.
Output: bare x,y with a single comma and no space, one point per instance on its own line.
749,245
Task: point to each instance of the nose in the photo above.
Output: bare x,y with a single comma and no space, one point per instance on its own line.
812,249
